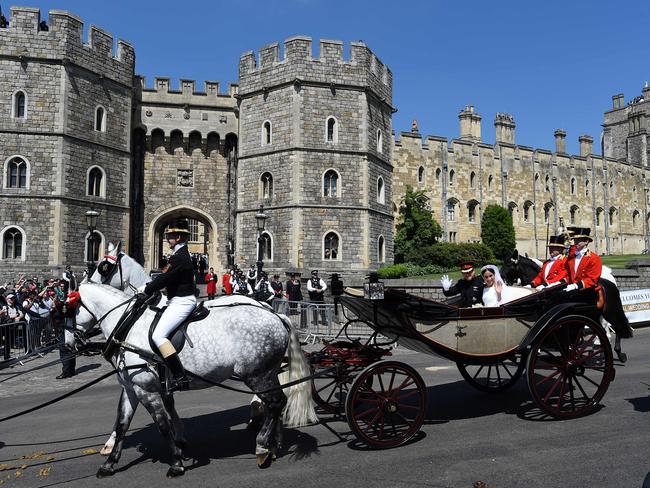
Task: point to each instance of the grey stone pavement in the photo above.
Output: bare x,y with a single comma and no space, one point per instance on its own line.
468,436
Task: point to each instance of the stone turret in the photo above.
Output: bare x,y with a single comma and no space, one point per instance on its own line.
560,141
505,128
586,145
470,124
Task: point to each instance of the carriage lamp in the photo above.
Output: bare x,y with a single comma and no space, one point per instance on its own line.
260,219
91,222
373,289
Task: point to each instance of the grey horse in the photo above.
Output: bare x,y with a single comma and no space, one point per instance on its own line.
239,338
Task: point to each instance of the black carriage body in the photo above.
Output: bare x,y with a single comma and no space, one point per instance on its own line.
480,335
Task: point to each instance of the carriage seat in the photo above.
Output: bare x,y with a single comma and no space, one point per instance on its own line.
179,335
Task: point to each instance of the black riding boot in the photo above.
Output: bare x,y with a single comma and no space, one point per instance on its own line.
179,382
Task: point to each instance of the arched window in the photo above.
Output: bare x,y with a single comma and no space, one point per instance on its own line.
157,140
471,210
176,141
13,242
17,173
266,185
438,175
512,207
452,175
599,214
490,180
587,188
212,143
635,218
451,209
267,133
331,244
547,212
472,180
547,183
380,142
381,194
195,141
527,206
266,241
573,186
18,107
381,253
573,211
612,213
331,184
421,175
95,179
536,180
93,246
100,119
332,130
635,197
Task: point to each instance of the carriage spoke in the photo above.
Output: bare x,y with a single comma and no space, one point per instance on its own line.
557,372
591,381
488,376
582,390
573,400
392,379
552,389
582,359
409,394
326,386
406,421
506,368
381,383
477,373
366,412
498,374
561,395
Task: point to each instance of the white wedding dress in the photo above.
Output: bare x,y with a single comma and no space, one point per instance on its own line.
490,297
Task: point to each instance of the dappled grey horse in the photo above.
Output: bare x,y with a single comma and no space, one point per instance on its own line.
242,339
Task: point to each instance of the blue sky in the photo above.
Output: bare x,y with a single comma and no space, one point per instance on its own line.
551,64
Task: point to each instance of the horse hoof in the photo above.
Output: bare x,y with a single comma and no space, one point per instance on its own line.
264,460
622,357
175,471
105,472
106,450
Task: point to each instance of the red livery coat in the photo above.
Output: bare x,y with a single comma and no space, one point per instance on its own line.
588,272
211,280
558,272
226,283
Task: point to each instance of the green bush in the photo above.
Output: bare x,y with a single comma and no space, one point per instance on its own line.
405,270
497,231
447,255
416,227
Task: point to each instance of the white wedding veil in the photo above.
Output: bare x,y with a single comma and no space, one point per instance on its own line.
495,271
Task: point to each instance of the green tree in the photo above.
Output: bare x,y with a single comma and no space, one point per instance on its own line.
417,227
497,231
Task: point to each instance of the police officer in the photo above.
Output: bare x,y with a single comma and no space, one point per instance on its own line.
178,278
470,287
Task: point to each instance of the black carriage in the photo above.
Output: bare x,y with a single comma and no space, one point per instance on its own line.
554,337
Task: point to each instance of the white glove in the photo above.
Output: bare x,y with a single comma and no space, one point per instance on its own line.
528,286
446,282
141,288
540,287
555,283
571,287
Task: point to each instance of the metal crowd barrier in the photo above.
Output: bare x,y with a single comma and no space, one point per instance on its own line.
21,339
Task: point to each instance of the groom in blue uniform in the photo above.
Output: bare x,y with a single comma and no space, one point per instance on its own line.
178,277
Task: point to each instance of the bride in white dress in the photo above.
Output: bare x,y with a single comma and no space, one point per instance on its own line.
495,292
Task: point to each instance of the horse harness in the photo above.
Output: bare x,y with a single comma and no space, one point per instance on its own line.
109,266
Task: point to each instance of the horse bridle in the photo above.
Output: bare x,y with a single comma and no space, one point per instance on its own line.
116,264
86,334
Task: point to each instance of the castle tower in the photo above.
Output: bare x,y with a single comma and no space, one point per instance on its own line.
470,124
315,150
64,141
626,128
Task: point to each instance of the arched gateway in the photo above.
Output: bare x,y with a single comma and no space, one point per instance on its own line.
203,239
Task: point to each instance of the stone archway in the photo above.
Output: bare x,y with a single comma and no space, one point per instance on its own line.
202,241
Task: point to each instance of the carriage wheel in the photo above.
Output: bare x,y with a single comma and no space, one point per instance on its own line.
330,391
570,367
386,404
493,378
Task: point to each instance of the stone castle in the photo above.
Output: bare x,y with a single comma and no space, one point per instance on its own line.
308,137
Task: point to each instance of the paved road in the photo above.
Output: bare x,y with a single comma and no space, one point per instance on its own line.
468,436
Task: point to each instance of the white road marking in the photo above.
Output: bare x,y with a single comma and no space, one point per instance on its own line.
437,368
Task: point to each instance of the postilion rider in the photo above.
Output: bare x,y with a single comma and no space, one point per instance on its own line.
178,278
555,270
470,287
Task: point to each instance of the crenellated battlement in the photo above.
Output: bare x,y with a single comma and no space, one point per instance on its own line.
267,68
163,85
61,38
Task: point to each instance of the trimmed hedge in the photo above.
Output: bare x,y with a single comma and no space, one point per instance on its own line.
404,270
448,255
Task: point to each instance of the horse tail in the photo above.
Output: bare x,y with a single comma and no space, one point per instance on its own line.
613,310
299,410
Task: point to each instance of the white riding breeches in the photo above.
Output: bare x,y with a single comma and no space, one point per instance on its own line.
178,308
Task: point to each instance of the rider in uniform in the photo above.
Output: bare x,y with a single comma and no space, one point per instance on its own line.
584,265
178,278
470,287
554,271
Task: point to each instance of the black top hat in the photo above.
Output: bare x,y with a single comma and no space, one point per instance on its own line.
178,226
556,241
582,233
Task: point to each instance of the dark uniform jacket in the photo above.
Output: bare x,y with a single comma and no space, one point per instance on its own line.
177,276
471,291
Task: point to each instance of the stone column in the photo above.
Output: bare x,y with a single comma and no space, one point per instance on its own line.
560,141
586,145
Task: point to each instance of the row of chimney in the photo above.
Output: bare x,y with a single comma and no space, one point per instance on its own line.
470,130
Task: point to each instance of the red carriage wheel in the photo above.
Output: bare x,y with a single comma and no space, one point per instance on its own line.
570,367
330,391
386,404
493,378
